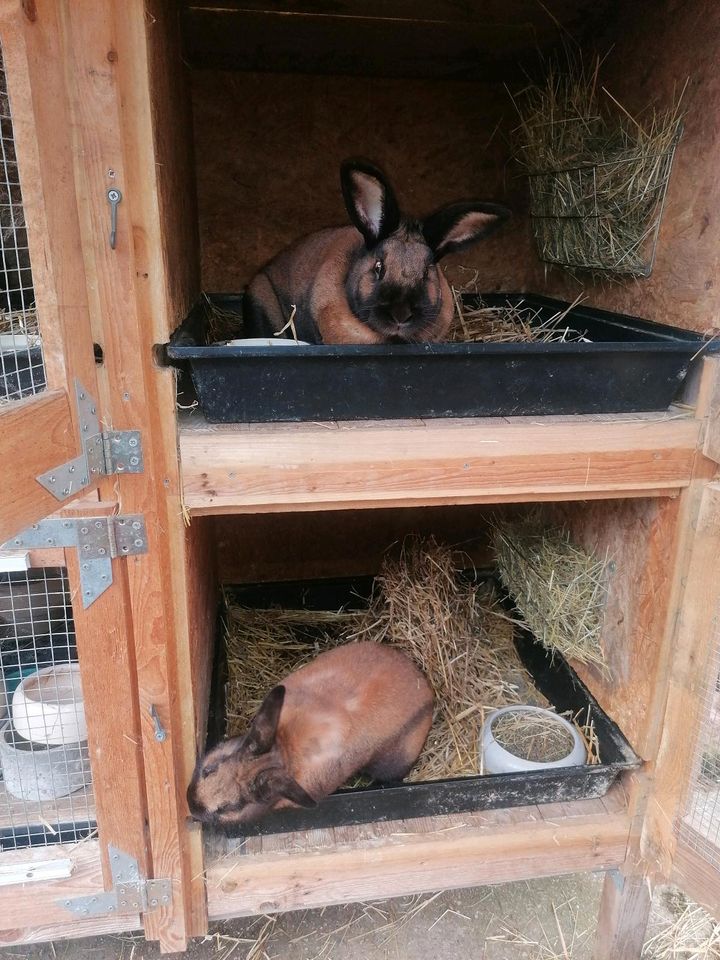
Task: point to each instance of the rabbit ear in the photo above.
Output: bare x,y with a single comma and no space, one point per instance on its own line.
460,224
370,200
261,735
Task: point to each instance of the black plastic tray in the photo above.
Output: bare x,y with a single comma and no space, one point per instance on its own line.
552,676
630,365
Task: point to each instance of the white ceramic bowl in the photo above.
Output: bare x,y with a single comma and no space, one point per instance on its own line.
47,707
496,759
266,342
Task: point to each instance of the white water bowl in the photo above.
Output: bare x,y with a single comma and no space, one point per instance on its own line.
496,759
266,342
47,707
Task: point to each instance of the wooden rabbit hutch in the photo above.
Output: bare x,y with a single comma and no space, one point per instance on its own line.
220,127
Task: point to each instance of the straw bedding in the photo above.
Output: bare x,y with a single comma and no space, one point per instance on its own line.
473,322
478,322
455,631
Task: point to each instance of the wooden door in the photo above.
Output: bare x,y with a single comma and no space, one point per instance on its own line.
79,78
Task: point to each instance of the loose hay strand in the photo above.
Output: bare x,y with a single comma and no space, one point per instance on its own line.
478,322
692,935
222,324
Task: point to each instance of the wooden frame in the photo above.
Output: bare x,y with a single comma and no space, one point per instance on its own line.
233,468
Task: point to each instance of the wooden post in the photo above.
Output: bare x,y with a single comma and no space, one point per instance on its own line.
133,301
657,794
624,912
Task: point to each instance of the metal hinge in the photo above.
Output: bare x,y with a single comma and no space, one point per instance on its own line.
104,452
131,893
97,540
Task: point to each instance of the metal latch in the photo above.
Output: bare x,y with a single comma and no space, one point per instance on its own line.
131,893
104,452
97,540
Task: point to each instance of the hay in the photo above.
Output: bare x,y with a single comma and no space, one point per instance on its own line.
530,736
560,590
456,633
20,323
585,726
509,323
462,641
597,175
691,935
263,646
222,324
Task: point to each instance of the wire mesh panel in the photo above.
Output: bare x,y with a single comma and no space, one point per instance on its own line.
699,827
45,784
22,372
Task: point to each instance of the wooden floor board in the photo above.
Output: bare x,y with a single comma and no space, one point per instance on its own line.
415,856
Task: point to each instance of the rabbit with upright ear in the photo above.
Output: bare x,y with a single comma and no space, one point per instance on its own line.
358,708
377,281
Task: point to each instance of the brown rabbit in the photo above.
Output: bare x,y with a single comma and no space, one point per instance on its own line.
362,707
375,282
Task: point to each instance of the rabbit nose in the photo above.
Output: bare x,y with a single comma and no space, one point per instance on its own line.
401,313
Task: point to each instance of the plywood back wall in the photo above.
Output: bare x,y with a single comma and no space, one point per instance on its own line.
268,149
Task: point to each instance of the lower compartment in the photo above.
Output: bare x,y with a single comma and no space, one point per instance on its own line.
551,676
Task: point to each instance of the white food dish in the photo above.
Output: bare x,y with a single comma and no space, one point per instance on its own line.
266,342
496,759
47,707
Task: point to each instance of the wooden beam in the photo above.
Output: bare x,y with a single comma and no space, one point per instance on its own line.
133,301
392,860
275,467
687,656
104,635
36,435
624,912
24,909
41,932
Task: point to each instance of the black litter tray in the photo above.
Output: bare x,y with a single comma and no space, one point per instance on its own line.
630,365
552,676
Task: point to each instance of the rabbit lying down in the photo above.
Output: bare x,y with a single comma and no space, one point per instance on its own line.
358,708
377,281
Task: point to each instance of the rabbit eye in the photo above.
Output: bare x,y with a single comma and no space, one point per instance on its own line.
379,269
